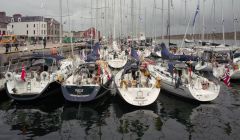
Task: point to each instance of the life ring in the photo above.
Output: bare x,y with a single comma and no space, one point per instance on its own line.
44,75
8,76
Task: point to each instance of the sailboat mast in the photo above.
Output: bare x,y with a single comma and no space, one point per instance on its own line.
234,24
169,34
96,24
162,19
145,21
203,31
60,34
223,23
69,27
121,19
132,16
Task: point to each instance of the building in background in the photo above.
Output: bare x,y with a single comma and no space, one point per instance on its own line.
4,20
91,33
34,28
53,30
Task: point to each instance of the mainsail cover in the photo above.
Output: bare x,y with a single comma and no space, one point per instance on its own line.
95,54
169,56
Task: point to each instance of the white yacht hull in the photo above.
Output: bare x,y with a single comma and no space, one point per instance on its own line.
204,67
118,62
137,96
190,90
2,82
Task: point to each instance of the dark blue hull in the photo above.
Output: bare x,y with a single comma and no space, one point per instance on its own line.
84,93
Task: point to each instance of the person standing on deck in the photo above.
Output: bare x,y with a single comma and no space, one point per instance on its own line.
44,43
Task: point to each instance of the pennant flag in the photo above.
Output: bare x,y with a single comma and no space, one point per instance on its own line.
23,74
51,22
226,77
108,76
190,71
43,4
196,13
99,70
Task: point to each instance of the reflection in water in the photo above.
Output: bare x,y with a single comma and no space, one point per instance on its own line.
137,123
30,121
176,108
212,119
83,121
169,117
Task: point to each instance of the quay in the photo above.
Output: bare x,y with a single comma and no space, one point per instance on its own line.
39,48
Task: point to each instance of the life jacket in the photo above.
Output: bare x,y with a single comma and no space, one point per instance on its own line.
53,51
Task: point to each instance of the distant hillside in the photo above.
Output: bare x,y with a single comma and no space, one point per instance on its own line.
216,36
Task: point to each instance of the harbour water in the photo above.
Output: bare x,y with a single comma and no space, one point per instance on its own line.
169,117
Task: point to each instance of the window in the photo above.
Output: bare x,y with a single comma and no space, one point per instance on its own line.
44,32
27,32
34,31
34,25
12,26
41,31
27,25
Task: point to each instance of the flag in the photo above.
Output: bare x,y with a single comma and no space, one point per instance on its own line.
190,71
23,74
51,22
226,77
83,55
196,13
43,4
99,70
106,72
141,19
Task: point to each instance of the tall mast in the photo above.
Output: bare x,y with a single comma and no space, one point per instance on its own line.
169,22
223,23
214,16
154,21
234,24
96,24
114,22
203,31
132,4
145,21
69,26
91,29
105,18
185,10
162,20
60,35
121,19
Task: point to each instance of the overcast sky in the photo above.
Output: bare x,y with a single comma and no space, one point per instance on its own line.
80,14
